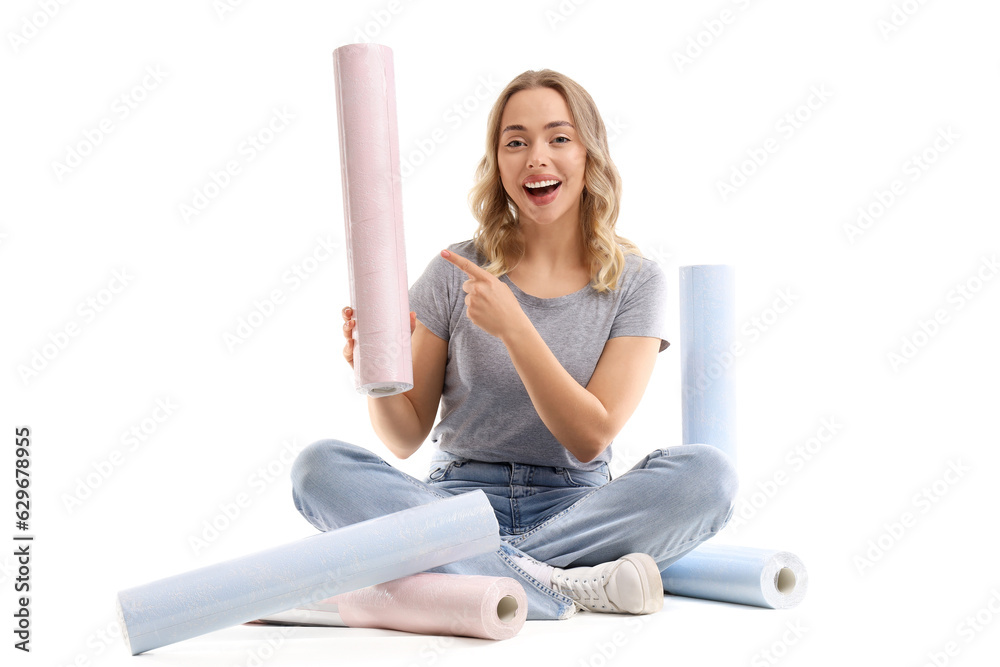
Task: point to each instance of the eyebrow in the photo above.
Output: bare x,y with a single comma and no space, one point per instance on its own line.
549,126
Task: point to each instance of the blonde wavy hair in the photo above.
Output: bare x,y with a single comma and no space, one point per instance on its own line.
499,237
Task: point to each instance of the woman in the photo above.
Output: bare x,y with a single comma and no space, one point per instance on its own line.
537,338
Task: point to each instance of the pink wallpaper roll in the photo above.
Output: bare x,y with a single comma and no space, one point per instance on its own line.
373,218
440,604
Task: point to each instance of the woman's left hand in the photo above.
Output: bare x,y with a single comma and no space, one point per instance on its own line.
489,303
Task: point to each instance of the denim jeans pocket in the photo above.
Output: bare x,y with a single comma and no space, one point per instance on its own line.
586,478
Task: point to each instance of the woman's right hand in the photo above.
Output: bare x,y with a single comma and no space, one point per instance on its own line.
349,324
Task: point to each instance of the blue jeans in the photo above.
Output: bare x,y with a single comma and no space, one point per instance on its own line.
665,506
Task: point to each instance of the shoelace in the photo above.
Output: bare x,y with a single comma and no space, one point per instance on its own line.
589,593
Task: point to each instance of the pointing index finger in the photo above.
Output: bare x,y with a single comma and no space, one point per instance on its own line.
469,267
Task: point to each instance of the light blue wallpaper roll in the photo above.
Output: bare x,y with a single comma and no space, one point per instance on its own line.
315,568
742,575
708,332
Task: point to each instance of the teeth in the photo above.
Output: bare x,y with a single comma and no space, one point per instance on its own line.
540,184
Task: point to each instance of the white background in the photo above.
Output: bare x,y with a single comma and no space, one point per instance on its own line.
894,76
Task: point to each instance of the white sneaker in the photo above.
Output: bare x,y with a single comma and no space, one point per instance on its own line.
629,585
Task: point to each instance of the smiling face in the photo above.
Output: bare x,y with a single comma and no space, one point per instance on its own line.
540,145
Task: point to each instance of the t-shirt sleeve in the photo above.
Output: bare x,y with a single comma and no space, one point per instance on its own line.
643,308
431,297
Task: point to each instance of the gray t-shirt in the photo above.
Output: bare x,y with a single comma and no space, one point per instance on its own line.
486,413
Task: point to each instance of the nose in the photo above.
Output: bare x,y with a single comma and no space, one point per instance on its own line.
538,155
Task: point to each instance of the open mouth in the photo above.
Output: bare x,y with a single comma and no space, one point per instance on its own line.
542,192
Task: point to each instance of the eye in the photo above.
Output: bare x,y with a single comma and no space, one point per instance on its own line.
565,142
515,141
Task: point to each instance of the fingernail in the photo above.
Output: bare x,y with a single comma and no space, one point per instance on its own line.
445,253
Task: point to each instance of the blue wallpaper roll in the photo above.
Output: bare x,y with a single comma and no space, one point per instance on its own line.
708,332
316,568
743,575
